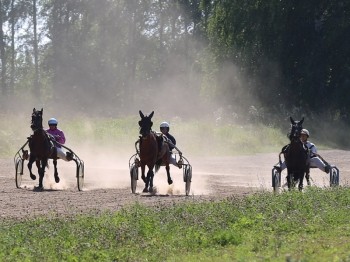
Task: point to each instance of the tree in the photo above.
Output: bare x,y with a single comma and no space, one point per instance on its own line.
36,54
3,81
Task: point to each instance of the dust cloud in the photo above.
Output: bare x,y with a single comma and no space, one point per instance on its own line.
110,170
107,166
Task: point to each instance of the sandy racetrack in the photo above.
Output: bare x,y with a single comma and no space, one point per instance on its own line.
108,188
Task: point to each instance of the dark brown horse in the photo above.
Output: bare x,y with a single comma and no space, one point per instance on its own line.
41,148
296,155
154,152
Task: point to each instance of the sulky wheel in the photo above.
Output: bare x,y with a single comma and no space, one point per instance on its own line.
187,172
80,176
134,176
19,172
276,179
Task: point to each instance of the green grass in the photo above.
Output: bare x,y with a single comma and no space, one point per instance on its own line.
309,226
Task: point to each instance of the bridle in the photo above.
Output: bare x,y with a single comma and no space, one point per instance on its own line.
145,127
37,121
296,127
295,132
145,132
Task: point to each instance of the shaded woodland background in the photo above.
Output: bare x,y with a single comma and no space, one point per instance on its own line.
242,61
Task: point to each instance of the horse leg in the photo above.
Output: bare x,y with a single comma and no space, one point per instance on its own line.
167,168
290,180
301,181
307,175
57,179
145,179
150,176
42,173
143,173
37,163
30,164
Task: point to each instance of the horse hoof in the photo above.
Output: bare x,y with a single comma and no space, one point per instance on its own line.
57,179
38,188
153,191
145,190
170,181
33,177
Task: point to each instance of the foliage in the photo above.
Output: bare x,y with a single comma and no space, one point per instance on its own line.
103,58
292,225
121,133
285,50
220,135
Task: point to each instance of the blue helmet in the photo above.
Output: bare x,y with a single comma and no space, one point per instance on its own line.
53,121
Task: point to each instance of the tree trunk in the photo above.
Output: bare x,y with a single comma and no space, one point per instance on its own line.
36,90
12,76
2,55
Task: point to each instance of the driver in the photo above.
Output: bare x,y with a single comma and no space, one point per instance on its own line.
315,161
59,137
164,128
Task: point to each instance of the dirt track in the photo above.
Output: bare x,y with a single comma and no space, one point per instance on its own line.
107,188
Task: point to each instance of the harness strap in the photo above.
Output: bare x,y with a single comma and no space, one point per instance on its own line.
137,150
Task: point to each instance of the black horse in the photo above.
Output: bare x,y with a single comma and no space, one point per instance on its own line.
41,148
296,156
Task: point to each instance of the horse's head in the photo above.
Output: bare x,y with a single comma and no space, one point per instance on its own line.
145,124
37,119
296,128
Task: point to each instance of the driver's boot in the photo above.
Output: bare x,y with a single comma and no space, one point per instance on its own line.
278,168
69,156
327,168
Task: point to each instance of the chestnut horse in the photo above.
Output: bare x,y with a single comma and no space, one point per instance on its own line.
154,152
41,148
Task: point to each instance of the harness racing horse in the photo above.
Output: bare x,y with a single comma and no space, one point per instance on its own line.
41,148
154,152
296,156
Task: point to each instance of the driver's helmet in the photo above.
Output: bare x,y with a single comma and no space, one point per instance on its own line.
165,125
52,121
305,132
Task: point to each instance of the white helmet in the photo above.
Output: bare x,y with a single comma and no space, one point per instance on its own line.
165,124
305,132
53,121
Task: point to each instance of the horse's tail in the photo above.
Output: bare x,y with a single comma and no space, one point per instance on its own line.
157,165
